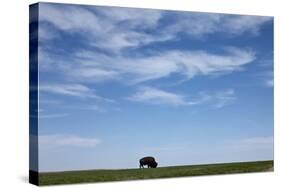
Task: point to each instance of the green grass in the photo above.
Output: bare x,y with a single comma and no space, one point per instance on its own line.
70,177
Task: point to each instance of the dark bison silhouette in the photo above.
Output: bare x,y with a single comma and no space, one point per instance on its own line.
149,161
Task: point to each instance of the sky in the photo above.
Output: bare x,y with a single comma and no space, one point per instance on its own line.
117,84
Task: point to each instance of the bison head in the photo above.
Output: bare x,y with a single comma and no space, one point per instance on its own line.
154,165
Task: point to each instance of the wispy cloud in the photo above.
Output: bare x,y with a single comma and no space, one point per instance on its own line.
133,17
257,140
151,95
87,99
67,141
115,29
121,29
94,67
67,89
241,24
156,96
201,24
47,116
76,90
68,18
94,74
268,78
269,83
266,72
90,107
104,30
224,98
254,143
49,101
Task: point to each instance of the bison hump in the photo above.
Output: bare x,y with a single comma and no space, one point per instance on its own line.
148,158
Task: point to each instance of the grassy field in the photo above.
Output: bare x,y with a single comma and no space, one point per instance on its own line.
69,177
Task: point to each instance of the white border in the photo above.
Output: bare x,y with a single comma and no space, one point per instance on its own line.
14,91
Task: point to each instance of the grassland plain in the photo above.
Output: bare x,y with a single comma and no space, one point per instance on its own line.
87,176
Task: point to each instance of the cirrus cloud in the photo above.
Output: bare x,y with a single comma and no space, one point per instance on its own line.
160,65
115,29
74,90
67,141
157,96
150,95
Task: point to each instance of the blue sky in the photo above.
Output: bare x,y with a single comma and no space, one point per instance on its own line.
117,84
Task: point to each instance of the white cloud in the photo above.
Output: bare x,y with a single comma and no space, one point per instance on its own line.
91,107
67,141
68,18
269,83
67,89
267,140
122,28
94,74
116,42
74,90
47,116
151,95
224,98
103,26
119,28
265,76
91,66
201,24
46,33
259,147
268,79
95,108
240,24
139,69
133,17
156,96
49,101
48,60
114,29
195,24
77,90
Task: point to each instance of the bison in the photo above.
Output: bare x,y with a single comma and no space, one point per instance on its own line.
149,161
